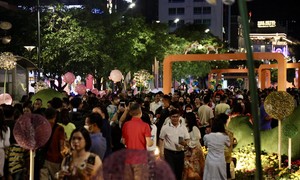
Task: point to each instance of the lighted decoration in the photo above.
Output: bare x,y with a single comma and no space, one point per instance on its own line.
212,2
279,105
95,91
69,78
31,132
5,25
115,76
142,78
6,39
228,2
7,61
80,89
290,130
5,99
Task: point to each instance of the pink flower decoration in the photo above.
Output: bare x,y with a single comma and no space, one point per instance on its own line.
69,78
32,131
80,89
95,91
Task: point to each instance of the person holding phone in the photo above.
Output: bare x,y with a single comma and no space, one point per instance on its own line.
81,164
173,140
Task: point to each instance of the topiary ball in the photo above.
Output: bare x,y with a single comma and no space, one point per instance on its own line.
290,130
279,104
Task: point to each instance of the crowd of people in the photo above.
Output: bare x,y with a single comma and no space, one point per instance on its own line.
88,129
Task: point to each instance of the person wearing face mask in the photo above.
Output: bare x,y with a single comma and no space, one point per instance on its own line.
219,90
222,107
93,123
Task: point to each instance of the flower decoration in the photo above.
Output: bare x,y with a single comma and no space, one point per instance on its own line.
142,78
40,85
7,61
32,131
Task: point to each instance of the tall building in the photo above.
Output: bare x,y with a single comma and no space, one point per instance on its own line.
178,12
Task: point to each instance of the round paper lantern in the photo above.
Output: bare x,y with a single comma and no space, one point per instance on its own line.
95,91
5,99
5,25
115,76
69,78
6,39
228,2
80,89
32,131
279,104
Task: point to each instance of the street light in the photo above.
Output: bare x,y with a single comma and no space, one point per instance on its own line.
176,20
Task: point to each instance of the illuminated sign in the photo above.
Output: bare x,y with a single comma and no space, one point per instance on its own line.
266,24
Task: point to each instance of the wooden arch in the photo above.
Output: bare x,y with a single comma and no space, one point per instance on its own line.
167,64
264,67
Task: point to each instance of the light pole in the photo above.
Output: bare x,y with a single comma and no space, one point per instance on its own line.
39,39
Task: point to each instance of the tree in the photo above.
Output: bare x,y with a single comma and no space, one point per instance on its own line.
67,45
197,41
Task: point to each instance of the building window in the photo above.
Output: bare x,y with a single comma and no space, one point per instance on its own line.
176,1
172,11
180,11
206,10
206,22
197,21
197,10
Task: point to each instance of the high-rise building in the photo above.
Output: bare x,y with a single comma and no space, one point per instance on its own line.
178,12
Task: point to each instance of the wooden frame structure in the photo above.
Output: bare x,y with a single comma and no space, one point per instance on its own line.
167,64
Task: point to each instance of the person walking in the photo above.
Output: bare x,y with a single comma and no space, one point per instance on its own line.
215,165
136,135
173,139
4,141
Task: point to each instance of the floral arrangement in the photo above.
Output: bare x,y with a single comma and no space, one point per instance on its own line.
142,78
40,85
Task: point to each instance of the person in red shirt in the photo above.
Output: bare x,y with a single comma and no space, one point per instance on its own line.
136,135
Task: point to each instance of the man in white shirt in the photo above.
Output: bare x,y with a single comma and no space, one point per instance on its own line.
173,139
156,103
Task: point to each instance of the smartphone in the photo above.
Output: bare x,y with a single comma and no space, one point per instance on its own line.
180,139
91,160
122,104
